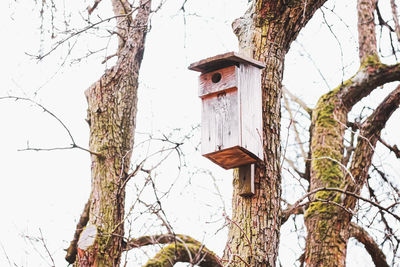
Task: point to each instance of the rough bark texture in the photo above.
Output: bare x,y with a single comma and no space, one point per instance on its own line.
265,33
111,116
366,29
329,214
327,223
326,218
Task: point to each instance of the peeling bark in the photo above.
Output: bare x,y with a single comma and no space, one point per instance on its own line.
72,249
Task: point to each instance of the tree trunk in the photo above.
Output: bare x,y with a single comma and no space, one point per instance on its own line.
265,33
327,224
111,116
328,216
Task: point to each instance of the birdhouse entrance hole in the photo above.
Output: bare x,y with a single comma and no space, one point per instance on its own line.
216,77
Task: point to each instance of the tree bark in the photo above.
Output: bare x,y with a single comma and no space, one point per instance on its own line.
326,222
111,116
265,33
328,216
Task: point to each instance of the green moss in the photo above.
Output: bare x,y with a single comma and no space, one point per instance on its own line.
173,253
326,142
372,61
323,227
328,171
327,148
319,207
325,118
323,208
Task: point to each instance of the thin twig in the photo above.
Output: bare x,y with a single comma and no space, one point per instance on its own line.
72,146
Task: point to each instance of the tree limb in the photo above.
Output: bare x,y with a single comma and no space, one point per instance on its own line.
369,134
181,248
366,30
394,148
290,210
299,203
368,78
297,100
72,249
92,8
395,18
370,245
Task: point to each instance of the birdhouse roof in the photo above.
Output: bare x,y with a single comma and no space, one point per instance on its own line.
222,61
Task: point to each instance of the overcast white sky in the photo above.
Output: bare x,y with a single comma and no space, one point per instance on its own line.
46,191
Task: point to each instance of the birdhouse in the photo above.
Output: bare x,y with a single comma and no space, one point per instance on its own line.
231,120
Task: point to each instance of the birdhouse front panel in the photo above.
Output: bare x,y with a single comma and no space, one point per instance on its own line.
220,110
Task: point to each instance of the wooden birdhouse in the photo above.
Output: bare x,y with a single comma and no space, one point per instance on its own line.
231,121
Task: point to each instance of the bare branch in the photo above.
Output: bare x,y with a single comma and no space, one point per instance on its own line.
91,9
72,146
313,61
369,134
16,98
293,166
297,100
300,209
46,248
393,148
373,249
78,32
297,135
298,202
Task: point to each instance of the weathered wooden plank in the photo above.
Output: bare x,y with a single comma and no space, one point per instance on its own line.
222,79
222,61
246,180
220,122
250,95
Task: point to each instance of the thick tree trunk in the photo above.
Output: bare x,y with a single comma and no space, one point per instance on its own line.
254,231
327,223
111,113
111,116
265,33
329,214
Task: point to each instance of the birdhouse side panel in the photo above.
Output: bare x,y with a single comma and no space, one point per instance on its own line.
220,122
219,80
251,109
